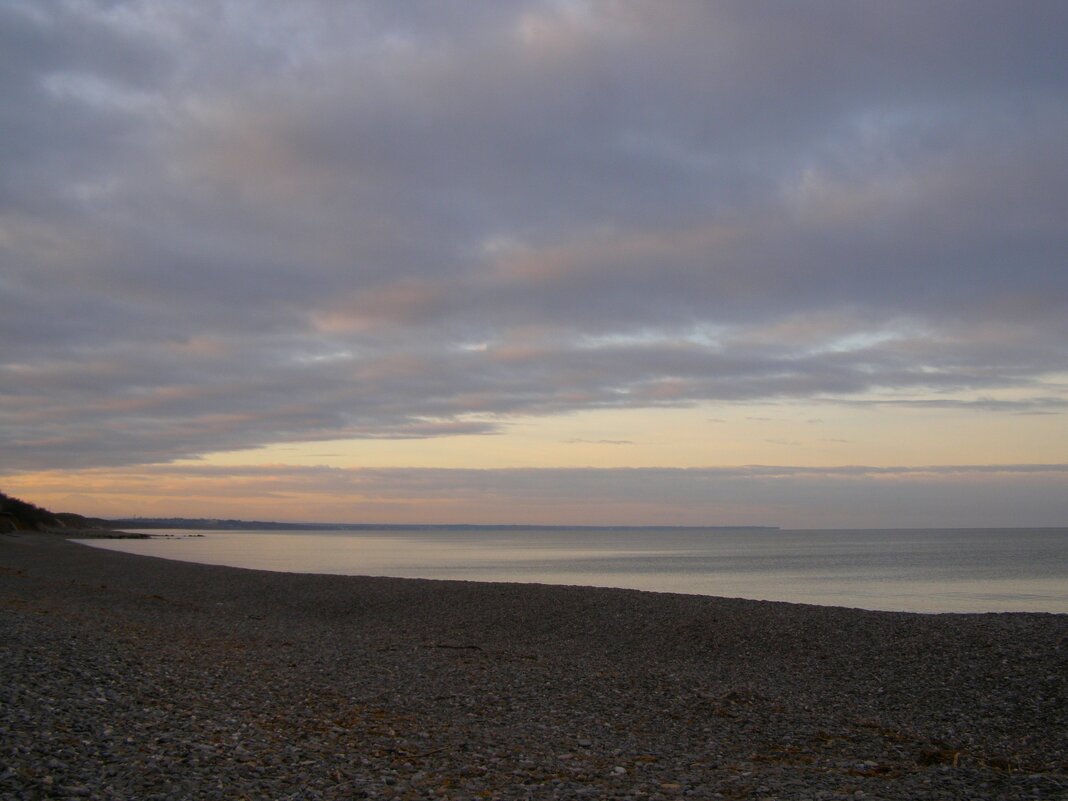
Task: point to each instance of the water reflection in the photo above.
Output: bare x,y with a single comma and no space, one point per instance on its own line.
913,570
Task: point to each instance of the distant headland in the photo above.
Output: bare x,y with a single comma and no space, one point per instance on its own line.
207,524
19,515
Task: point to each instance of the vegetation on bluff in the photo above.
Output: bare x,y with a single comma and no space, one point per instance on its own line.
19,515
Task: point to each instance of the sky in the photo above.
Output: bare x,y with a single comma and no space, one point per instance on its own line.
709,263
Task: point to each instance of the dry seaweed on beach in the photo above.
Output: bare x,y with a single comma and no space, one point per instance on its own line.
129,677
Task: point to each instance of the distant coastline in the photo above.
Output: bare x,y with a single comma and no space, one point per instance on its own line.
211,524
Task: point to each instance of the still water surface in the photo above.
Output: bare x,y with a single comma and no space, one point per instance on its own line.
928,570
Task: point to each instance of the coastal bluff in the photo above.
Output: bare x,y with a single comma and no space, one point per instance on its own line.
17,515
134,677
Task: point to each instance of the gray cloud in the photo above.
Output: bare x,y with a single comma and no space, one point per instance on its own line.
222,226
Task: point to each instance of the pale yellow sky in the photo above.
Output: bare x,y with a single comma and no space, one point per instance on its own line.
586,468
705,436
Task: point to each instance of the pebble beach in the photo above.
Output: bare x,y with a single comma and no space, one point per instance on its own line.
129,677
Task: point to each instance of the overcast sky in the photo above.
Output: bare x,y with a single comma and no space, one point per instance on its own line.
708,262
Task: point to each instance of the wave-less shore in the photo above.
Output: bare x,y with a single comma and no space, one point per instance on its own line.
131,677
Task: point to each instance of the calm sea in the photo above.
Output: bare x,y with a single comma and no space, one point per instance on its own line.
932,570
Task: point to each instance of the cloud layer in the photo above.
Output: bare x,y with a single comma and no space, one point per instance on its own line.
223,225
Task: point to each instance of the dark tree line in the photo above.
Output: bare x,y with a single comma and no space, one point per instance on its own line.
19,514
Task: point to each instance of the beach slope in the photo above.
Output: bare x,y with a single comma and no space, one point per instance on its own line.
133,677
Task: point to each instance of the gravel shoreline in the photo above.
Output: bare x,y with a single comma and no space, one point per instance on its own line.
133,677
